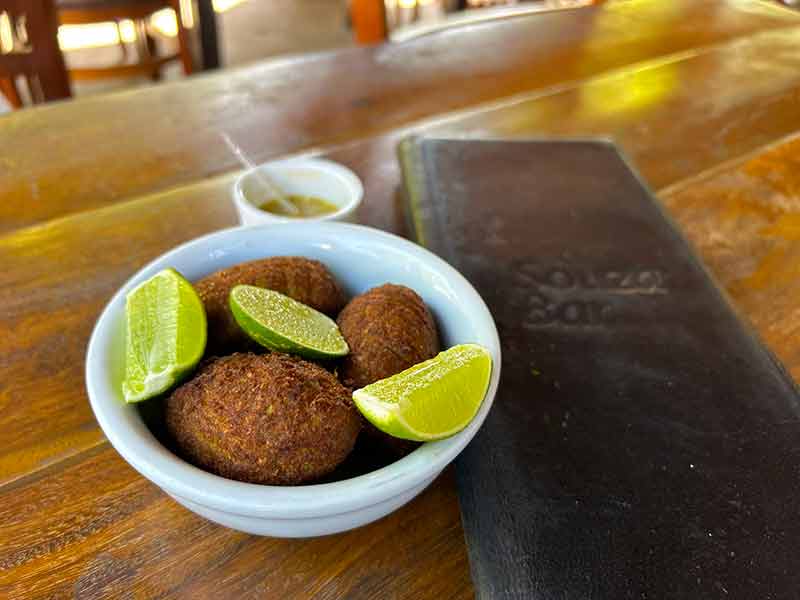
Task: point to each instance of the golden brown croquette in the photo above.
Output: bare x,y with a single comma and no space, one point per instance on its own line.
388,329
307,281
270,419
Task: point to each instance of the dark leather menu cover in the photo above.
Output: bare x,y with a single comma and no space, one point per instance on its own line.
644,443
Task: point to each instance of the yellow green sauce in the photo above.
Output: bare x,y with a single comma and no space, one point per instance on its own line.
307,206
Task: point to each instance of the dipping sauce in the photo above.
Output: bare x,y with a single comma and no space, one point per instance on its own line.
307,206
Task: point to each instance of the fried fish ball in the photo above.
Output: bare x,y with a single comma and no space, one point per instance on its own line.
270,419
388,329
305,280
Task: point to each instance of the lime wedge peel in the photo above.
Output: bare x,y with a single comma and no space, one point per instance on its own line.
280,323
165,334
432,400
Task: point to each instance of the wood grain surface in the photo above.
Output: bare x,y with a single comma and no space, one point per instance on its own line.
78,522
115,535
144,141
49,305
744,219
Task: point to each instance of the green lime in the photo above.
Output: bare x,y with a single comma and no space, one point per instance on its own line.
280,323
431,400
165,334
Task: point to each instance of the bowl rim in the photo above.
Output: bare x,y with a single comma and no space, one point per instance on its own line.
329,167
177,477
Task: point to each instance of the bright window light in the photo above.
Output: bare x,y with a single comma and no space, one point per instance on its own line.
74,37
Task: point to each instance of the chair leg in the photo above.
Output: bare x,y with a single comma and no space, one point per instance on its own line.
152,48
184,42
122,46
9,88
144,46
152,44
369,21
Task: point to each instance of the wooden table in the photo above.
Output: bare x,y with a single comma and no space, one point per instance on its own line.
703,96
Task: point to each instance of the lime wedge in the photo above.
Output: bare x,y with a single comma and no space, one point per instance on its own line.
431,400
280,323
165,334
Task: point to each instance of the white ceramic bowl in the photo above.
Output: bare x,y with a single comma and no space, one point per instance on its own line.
315,177
360,258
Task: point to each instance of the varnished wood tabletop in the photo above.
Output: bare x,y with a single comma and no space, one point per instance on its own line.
124,145
703,96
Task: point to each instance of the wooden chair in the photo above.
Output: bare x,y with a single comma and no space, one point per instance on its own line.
150,62
35,57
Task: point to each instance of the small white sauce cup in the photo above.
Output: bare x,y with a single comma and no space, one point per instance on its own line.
315,177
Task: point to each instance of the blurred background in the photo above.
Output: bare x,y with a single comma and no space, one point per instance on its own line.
248,30
56,49
108,45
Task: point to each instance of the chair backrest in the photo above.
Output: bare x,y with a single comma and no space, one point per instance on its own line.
31,51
